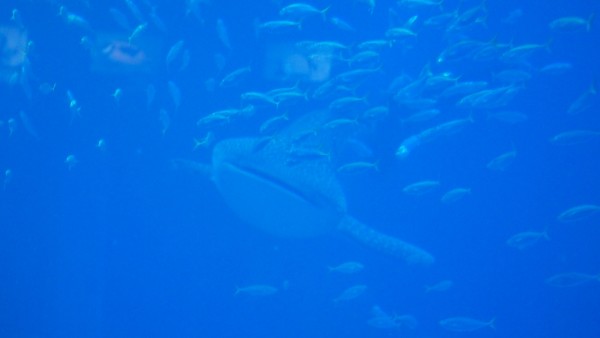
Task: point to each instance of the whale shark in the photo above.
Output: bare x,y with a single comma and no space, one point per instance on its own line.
299,198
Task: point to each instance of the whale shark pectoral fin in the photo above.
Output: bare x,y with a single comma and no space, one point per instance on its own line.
393,246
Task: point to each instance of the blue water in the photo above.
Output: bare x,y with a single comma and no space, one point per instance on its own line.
120,242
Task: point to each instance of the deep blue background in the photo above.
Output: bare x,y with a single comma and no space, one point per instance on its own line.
122,245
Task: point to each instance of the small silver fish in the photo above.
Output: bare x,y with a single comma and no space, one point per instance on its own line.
502,162
571,279
351,293
465,324
358,167
584,101
573,137
526,239
256,290
279,26
300,11
71,161
440,286
8,176
347,267
455,195
578,213
420,188
235,77
572,23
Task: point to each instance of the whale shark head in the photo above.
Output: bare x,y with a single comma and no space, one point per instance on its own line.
266,190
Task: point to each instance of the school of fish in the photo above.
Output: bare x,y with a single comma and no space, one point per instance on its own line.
357,83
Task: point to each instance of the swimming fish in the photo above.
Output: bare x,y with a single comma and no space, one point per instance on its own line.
302,199
502,162
573,137
440,286
455,195
351,293
300,11
578,213
256,290
420,188
526,239
465,324
571,279
347,267
572,23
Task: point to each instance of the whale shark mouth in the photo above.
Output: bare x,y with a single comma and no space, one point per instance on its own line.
277,183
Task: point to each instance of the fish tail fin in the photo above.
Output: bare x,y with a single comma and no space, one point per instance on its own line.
484,5
548,44
324,13
545,234
256,24
588,24
492,323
